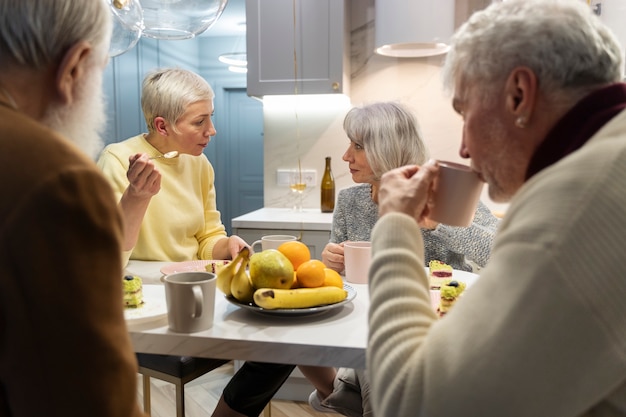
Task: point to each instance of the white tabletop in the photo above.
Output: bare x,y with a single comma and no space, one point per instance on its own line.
336,337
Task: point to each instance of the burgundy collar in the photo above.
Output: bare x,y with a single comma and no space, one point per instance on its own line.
578,126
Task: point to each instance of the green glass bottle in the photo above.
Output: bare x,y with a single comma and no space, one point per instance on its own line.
328,189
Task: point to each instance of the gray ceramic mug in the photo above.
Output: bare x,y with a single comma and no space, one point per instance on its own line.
190,298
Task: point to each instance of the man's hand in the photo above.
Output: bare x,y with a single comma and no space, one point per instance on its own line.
407,190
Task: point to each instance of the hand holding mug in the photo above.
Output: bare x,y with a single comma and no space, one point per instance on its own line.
332,256
456,193
407,190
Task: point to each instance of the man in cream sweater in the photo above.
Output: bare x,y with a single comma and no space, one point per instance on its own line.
543,331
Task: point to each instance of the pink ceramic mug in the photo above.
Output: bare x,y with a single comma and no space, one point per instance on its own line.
457,191
357,257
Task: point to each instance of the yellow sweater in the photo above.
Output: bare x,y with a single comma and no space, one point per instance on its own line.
182,222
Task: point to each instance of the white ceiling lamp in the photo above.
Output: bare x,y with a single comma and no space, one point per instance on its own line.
237,61
234,58
413,28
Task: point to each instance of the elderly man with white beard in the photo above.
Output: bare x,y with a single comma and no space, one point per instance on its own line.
64,346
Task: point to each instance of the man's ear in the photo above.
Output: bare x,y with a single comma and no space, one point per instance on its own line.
72,68
521,90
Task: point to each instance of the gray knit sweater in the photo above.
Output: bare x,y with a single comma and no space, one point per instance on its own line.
356,213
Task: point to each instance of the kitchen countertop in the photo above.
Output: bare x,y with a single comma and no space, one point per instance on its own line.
284,219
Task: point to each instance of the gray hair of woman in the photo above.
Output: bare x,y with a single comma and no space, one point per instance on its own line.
35,33
567,47
389,133
168,92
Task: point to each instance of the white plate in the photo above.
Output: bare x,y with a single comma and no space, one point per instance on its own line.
188,266
153,308
469,278
295,311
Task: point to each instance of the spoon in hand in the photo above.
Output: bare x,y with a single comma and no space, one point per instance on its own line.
167,155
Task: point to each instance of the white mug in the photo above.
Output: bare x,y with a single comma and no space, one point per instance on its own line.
190,298
272,241
357,257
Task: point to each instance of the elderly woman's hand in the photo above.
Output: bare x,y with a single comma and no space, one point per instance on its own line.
229,247
407,190
144,178
332,256
235,245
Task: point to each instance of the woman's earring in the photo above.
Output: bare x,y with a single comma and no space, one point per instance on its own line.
520,122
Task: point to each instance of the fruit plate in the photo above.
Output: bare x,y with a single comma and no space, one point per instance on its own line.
190,266
294,311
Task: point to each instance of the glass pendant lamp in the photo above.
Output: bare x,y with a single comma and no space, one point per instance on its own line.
179,19
127,25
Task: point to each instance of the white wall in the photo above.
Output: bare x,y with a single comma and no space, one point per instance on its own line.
314,133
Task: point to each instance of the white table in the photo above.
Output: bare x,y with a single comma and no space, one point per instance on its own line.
334,338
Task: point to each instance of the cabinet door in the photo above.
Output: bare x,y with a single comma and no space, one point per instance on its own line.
307,59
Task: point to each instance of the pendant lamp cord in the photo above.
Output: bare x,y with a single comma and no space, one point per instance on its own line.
295,90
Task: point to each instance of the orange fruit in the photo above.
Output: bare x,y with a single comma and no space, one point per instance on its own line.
311,274
296,251
332,279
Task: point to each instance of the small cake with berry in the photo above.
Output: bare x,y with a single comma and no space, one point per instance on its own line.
133,292
449,293
440,272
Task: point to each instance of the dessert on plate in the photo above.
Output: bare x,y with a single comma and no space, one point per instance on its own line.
440,272
449,293
133,291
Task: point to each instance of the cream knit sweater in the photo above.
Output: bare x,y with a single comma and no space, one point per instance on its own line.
542,332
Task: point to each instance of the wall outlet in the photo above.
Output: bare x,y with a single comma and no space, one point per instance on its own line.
309,177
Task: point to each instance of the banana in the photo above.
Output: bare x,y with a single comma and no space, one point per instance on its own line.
227,273
272,298
241,287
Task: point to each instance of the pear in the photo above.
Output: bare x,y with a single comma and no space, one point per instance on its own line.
241,287
271,269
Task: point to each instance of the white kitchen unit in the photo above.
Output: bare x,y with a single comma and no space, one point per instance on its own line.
320,61
311,226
